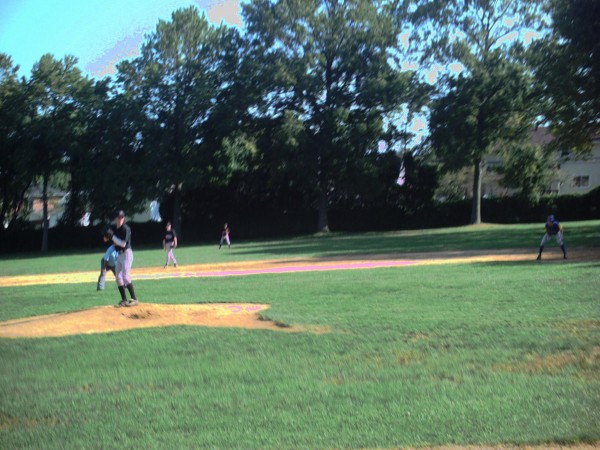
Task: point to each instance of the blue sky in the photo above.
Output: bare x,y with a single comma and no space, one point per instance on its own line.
99,32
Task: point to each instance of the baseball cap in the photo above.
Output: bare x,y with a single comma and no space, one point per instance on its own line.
119,213
551,218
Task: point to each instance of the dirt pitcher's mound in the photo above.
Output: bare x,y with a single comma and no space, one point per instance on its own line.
104,319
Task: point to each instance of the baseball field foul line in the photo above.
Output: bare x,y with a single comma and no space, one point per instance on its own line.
281,266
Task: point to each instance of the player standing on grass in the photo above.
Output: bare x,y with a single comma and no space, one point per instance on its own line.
169,243
553,229
225,236
120,234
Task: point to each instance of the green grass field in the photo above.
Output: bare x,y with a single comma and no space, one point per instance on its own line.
415,356
487,236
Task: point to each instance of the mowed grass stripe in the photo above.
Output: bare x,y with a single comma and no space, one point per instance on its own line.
488,236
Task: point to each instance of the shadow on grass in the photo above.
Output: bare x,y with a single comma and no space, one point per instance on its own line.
494,237
533,263
461,239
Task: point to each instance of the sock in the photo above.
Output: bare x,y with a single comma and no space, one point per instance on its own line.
562,247
541,249
122,292
131,291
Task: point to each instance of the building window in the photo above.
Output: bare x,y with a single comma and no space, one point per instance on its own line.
581,181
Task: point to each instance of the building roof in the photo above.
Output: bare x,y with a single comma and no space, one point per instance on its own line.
541,136
37,192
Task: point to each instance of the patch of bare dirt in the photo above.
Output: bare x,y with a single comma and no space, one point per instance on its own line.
105,319
554,362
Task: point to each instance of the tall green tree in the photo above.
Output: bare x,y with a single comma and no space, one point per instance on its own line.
16,158
176,82
118,167
84,138
475,108
487,112
567,66
55,88
529,169
329,77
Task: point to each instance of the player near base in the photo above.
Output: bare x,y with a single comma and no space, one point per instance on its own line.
225,236
108,262
553,230
120,234
169,243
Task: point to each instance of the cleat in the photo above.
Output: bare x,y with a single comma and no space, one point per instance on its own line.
175,265
564,256
539,258
132,303
121,304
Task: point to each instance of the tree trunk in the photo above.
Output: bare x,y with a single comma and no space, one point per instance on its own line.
322,222
17,208
476,206
5,203
74,210
45,214
177,211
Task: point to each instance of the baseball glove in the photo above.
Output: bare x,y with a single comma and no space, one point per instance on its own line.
107,233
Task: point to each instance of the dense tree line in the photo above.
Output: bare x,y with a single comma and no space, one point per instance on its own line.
306,108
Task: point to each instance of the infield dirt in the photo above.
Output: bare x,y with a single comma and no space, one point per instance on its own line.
106,319
311,264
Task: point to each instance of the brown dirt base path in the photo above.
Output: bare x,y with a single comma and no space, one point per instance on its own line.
315,264
105,319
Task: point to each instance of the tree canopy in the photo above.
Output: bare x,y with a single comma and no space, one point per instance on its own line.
487,105
567,67
304,108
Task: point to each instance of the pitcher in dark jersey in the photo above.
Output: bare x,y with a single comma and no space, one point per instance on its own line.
120,234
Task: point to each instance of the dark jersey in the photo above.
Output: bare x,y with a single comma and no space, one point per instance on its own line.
553,228
170,237
123,233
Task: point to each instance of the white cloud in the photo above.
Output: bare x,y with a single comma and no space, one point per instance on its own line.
508,38
432,74
409,65
105,63
405,40
417,125
228,11
456,67
529,36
